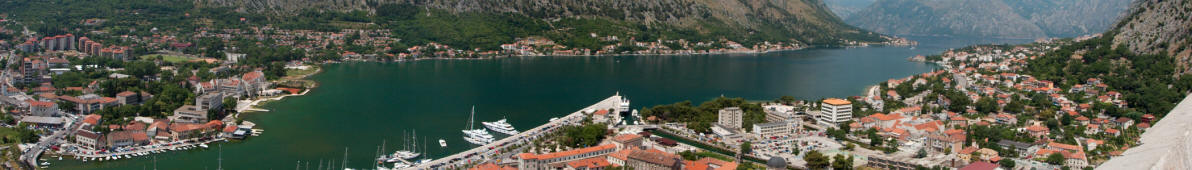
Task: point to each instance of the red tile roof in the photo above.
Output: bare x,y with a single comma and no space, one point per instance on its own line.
491,166
590,163
601,112
126,94
980,166
35,103
1036,128
1063,146
707,163
626,137
92,119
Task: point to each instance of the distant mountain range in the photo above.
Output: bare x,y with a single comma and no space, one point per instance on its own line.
805,21
983,18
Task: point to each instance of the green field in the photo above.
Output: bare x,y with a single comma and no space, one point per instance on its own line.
167,58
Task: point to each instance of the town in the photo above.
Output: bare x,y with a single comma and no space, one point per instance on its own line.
980,111
96,95
99,91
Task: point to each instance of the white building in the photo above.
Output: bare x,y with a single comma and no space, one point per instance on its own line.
772,129
730,118
835,111
778,112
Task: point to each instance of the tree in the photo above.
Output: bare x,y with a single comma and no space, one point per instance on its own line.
140,69
874,139
1007,164
892,145
1055,159
986,105
1014,106
842,163
787,100
816,160
746,148
583,136
921,154
845,126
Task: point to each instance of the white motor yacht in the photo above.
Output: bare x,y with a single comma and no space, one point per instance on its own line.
500,126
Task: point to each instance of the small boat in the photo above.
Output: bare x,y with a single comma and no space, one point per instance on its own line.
400,165
442,143
204,145
45,163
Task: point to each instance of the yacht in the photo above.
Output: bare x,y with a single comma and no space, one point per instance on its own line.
474,135
400,165
478,141
407,154
500,126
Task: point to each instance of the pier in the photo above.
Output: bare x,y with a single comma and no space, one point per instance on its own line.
481,152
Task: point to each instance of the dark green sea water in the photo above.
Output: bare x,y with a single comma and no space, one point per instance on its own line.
360,104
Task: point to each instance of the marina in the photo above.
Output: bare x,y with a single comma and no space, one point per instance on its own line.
345,112
448,162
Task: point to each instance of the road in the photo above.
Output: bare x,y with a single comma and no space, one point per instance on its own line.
481,152
30,156
961,82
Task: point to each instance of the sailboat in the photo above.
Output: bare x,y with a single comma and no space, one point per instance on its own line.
407,155
474,135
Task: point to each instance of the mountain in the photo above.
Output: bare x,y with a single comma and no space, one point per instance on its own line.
804,21
845,8
1155,27
989,18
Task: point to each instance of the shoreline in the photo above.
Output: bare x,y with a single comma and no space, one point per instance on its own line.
252,105
631,54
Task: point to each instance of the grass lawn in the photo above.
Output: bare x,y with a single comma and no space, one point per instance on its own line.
298,72
6,132
167,58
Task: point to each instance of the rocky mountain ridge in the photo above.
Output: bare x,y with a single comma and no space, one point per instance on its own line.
1158,26
1026,19
809,19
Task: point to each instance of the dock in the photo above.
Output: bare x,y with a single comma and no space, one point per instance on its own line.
479,153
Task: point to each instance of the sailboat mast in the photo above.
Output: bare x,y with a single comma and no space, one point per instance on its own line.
415,140
345,163
471,119
220,157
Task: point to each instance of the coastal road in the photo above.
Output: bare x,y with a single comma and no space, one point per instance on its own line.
463,157
30,156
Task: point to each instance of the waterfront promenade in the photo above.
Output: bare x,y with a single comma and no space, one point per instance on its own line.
478,153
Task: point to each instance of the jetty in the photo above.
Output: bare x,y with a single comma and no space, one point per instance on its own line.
475,155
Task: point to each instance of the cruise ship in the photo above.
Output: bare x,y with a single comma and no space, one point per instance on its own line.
500,126
476,136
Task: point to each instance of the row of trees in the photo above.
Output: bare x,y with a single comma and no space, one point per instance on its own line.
818,161
700,118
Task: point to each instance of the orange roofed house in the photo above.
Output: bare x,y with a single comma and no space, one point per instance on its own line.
708,163
557,159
